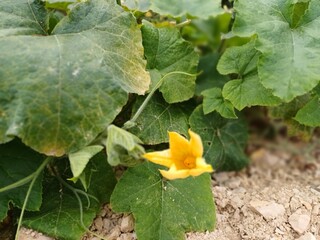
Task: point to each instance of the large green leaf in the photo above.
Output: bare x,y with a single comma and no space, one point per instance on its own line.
224,140
199,8
247,90
288,39
157,119
164,210
17,162
166,53
58,92
59,215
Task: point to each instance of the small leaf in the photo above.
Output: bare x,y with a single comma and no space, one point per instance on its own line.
309,115
78,160
200,8
157,119
17,162
224,140
214,101
173,57
164,210
288,41
59,216
123,147
246,91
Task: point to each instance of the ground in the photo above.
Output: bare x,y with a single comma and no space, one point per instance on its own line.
276,198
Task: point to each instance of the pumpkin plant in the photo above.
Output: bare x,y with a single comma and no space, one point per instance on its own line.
87,86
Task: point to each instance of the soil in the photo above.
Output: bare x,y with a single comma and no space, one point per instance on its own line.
276,198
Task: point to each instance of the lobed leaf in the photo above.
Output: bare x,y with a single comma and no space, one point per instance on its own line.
157,119
162,209
247,90
309,114
200,8
169,56
288,39
214,101
224,140
58,92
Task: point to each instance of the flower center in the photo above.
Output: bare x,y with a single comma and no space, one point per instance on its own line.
189,162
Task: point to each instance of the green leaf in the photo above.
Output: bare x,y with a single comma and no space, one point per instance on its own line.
172,57
214,101
79,160
224,140
59,216
123,147
16,163
157,119
200,8
309,115
209,77
289,43
247,90
58,92
62,5
162,209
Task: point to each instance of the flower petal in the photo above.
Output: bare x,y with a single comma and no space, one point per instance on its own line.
175,174
179,147
196,144
161,157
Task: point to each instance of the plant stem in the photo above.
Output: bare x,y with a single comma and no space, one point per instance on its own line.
131,123
35,175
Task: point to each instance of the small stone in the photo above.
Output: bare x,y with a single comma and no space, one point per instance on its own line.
316,209
98,222
307,236
269,210
233,183
236,202
221,177
107,224
115,233
299,222
278,231
127,224
126,236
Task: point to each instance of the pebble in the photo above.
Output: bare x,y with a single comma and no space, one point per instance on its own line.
114,234
299,222
269,210
98,223
107,224
316,209
221,177
127,224
307,236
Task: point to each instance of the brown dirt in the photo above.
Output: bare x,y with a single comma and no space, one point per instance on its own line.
276,198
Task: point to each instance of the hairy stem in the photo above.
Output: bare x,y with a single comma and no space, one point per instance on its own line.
131,123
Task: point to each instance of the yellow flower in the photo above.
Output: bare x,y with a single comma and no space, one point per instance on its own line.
183,158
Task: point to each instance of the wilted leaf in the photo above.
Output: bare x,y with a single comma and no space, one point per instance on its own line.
123,147
164,210
58,92
79,160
